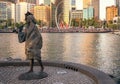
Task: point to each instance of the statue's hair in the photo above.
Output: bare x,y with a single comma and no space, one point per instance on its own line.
28,13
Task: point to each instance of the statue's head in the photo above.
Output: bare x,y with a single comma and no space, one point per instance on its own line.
28,13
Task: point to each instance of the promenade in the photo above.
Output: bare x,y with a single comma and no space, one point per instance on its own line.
64,30
117,32
58,73
74,30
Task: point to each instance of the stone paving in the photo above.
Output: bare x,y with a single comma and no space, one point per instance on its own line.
117,33
56,75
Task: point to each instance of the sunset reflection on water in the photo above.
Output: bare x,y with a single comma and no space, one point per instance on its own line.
100,51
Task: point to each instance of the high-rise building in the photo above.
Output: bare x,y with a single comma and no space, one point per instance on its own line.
30,1
118,5
66,11
20,13
47,2
22,0
88,13
111,12
3,10
86,3
30,7
96,6
7,11
92,3
73,4
87,9
42,12
77,14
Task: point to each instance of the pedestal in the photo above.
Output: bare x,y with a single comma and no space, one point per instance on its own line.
32,75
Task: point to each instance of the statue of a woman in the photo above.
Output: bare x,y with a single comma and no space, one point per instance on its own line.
33,41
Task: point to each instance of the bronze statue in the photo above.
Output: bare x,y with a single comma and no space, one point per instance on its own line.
33,45
33,42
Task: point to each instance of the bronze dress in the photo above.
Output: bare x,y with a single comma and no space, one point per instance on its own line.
33,42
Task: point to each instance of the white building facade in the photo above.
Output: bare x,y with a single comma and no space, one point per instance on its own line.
21,9
66,11
7,11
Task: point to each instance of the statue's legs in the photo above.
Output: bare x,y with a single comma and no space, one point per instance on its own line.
31,65
40,63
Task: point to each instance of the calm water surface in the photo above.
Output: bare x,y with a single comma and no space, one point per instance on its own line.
100,51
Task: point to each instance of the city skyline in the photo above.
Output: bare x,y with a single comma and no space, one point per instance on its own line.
77,3
103,5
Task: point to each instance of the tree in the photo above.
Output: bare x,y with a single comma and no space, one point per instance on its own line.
38,22
19,24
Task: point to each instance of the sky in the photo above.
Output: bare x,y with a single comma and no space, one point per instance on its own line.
41,1
103,5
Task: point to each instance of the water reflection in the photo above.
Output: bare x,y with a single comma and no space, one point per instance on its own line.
9,46
101,51
53,48
108,52
80,49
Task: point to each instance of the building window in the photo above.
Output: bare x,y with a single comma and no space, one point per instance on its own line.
73,2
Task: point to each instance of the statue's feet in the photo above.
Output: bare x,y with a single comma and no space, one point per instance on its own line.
42,69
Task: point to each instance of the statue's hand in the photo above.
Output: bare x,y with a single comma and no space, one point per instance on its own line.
20,28
24,29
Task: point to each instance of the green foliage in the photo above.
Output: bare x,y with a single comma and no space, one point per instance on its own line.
73,22
9,22
90,22
53,24
19,24
39,22
113,26
6,23
110,22
1,26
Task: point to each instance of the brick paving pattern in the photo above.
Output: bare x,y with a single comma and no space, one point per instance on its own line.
56,75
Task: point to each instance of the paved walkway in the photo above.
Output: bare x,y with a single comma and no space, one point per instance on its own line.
117,33
56,75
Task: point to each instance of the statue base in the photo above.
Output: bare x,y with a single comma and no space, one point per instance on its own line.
33,76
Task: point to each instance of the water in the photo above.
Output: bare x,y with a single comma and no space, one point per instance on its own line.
100,51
